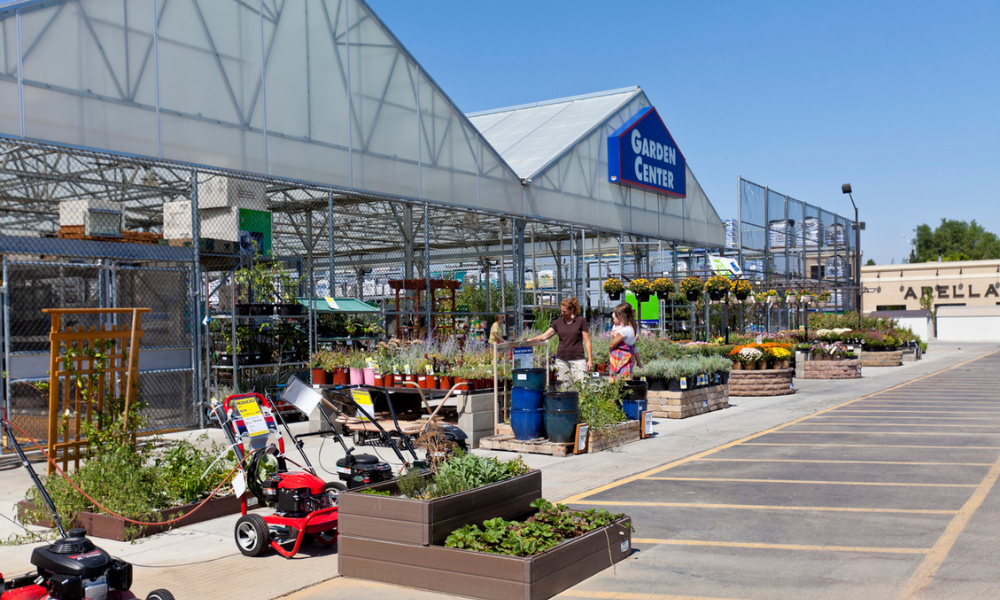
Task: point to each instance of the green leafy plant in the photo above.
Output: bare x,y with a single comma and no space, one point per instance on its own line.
459,473
373,492
550,525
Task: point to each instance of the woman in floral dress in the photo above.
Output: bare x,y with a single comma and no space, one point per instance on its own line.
623,354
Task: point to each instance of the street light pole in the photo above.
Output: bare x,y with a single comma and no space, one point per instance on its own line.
846,189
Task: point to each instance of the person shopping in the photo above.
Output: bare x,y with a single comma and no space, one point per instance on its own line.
574,339
496,331
623,354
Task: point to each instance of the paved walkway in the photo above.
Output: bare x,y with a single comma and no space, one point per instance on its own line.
201,561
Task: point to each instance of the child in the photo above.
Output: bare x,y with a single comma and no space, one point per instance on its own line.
623,354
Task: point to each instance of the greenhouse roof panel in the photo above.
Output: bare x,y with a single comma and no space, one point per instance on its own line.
531,136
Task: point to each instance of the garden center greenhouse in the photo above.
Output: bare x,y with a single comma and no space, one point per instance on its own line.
149,149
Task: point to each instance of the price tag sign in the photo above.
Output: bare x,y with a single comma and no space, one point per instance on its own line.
369,362
239,485
253,419
406,370
364,400
523,357
429,369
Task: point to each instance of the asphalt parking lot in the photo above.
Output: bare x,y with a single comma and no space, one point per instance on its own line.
884,496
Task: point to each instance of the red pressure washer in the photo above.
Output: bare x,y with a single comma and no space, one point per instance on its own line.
70,568
304,503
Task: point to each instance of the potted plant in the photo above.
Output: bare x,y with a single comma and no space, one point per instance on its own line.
805,296
318,364
782,357
662,287
772,297
741,288
823,298
614,288
717,287
691,287
288,287
641,288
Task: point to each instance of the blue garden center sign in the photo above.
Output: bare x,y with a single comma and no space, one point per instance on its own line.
643,153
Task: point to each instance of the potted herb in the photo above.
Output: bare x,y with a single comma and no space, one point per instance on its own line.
692,287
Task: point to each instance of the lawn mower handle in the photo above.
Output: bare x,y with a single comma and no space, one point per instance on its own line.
8,431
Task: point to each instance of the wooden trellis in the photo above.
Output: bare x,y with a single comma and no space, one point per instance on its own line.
74,395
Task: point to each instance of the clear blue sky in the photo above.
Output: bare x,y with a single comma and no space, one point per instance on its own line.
900,99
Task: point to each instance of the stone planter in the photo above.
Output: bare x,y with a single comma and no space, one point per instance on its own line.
893,358
114,528
772,382
483,575
425,522
680,405
832,369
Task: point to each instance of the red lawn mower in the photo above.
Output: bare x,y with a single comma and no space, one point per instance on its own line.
70,568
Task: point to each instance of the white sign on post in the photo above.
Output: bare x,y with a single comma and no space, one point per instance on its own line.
524,358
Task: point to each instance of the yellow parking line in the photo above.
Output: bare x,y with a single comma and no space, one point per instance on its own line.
841,416
897,424
896,432
925,412
874,483
620,482
782,546
909,511
876,446
861,462
630,596
929,567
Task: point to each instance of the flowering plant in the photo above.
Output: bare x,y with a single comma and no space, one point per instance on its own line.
692,284
749,354
718,283
639,286
770,293
780,354
662,285
613,286
741,288
823,296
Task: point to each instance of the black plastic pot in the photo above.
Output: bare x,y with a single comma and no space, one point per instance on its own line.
635,389
226,360
559,401
290,309
692,296
657,385
244,309
560,425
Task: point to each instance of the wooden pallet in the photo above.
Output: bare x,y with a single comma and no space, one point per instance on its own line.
535,446
75,232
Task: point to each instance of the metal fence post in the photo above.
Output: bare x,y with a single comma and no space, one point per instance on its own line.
197,390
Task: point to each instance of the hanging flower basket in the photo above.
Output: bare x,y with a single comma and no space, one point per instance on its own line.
741,288
716,295
773,300
692,287
613,287
642,297
615,296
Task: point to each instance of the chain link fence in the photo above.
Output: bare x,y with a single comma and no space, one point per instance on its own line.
247,276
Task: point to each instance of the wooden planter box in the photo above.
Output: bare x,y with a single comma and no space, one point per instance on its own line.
113,528
624,433
482,575
425,522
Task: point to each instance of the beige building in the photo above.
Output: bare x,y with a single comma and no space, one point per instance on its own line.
971,283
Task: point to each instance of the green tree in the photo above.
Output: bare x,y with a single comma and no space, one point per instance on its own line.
955,240
870,263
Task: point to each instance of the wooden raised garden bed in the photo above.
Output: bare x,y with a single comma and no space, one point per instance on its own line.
424,522
114,528
620,434
483,575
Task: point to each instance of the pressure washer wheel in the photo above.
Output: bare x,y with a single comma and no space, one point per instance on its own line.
160,595
253,536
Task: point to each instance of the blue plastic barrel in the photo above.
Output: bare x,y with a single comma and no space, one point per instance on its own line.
556,400
633,408
561,425
527,424
525,399
532,379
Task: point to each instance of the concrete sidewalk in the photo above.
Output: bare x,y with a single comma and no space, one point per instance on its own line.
201,561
